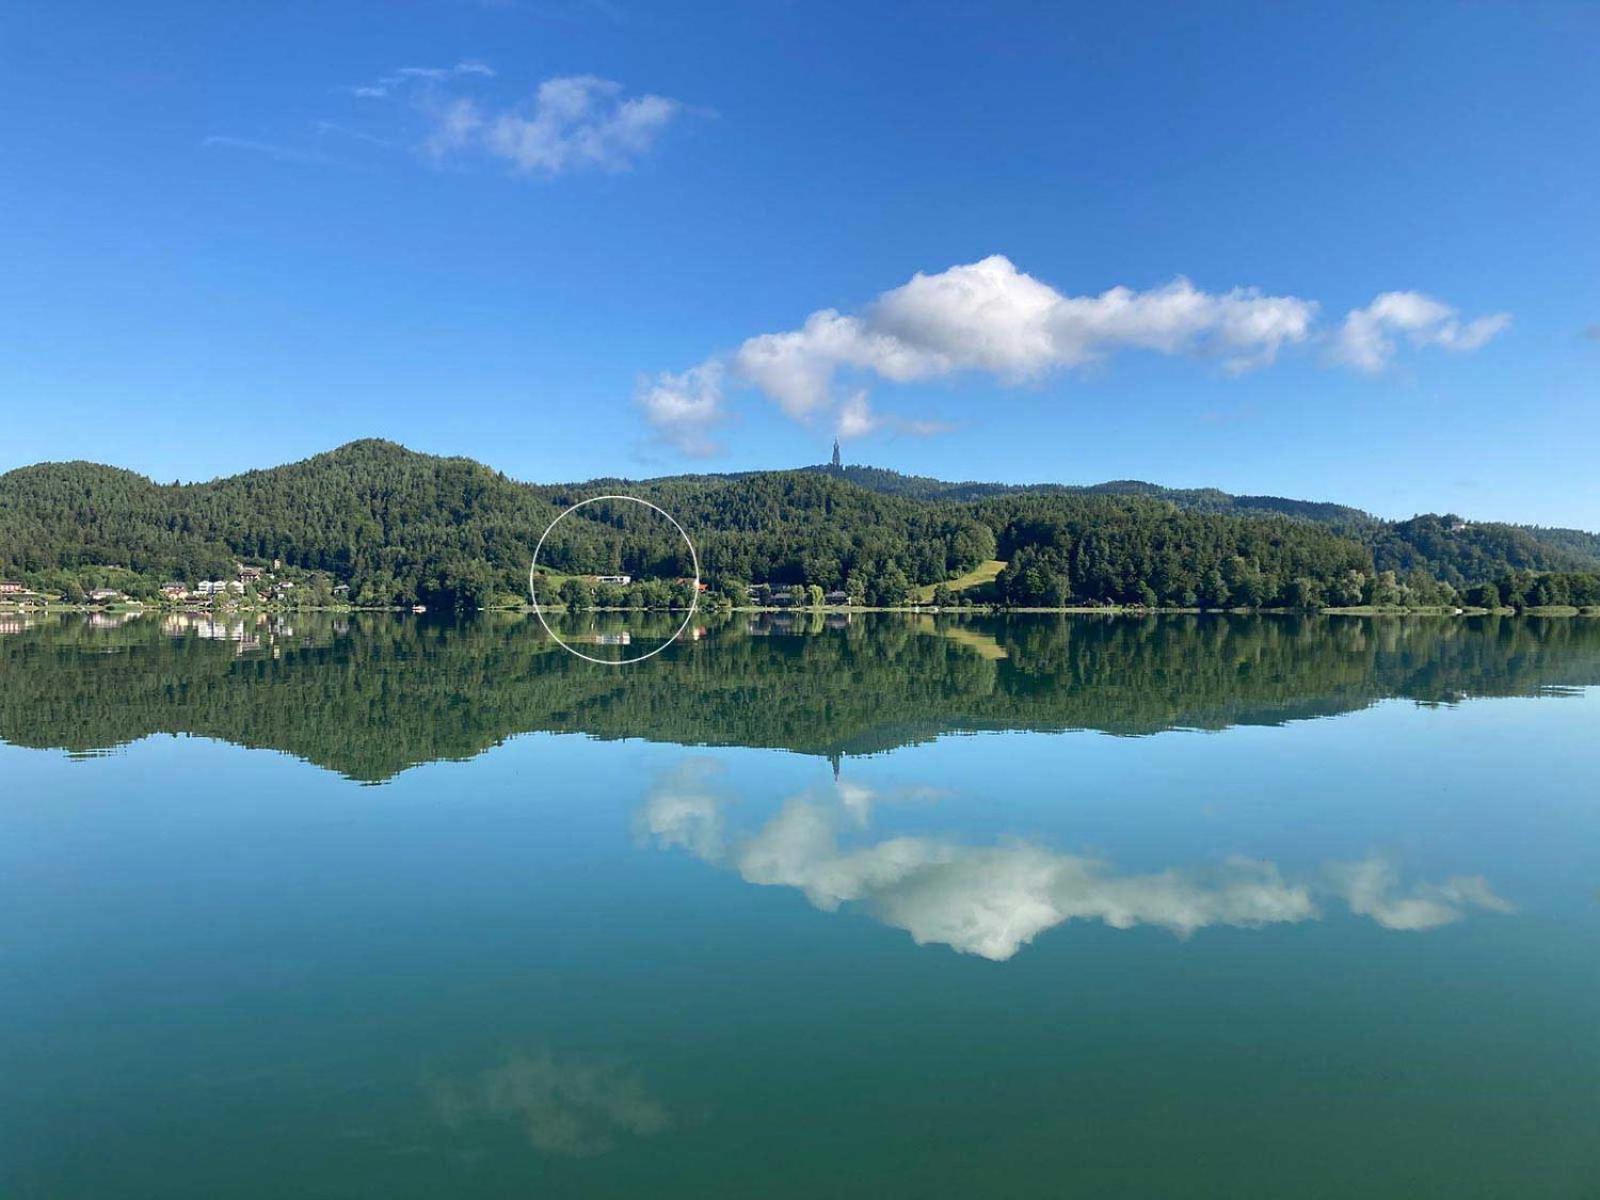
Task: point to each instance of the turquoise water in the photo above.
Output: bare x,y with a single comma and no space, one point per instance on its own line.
1046,907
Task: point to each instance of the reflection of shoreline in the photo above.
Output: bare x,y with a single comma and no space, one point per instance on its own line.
992,900
362,694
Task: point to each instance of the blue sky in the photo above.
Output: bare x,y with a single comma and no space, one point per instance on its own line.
578,239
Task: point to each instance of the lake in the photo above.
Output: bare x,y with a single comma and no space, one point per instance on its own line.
805,906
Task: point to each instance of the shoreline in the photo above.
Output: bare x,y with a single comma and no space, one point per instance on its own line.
918,609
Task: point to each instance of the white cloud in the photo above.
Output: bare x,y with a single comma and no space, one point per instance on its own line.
989,317
572,122
1367,340
684,407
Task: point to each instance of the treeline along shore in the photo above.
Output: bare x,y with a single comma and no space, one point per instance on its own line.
373,524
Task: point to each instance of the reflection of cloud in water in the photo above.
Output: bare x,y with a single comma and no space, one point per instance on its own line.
1372,889
577,1109
993,900
685,810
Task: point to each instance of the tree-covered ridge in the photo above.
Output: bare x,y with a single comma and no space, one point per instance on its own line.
1448,548
372,694
397,526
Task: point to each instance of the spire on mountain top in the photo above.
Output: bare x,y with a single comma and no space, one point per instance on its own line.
837,465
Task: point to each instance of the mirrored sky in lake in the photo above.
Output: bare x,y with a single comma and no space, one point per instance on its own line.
768,920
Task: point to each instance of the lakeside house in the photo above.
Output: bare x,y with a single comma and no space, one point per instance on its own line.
174,591
10,587
837,597
105,596
248,574
620,580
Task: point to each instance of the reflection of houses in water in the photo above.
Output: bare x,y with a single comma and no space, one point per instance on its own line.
110,620
775,624
14,624
603,639
244,635
837,620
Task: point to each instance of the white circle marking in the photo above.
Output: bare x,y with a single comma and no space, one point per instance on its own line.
694,594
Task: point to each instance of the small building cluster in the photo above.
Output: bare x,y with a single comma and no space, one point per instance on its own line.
768,596
13,592
207,590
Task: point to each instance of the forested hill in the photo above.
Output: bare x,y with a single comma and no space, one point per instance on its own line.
1444,546
398,526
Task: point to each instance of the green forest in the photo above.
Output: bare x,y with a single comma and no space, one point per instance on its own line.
397,527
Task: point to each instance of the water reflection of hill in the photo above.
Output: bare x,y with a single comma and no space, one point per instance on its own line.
371,695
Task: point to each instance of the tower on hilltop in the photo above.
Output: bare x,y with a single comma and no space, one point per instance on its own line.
837,465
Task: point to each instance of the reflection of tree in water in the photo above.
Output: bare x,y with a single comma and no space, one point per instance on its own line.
573,1108
373,694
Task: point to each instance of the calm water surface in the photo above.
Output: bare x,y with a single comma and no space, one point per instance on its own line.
804,907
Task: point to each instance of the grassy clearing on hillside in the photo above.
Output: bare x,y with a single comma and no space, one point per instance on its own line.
984,572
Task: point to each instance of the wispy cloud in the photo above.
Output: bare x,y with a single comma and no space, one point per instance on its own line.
285,154
1368,339
572,123
387,85
334,129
